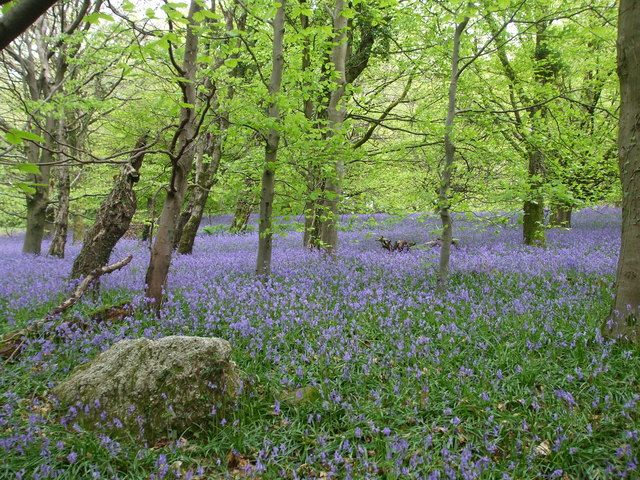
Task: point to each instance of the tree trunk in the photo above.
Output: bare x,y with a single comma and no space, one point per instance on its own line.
241,217
182,221
533,207
190,229
533,231
244,207
113,218
311,235
624,322
265,238
156,277
336,114
78,229
61,224
38,201
39,77
59,239
200,195
213,145
186,213
36,218
533,219
265,235
20,17
449,151
561,216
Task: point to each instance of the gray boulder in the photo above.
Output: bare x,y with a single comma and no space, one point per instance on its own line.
153,388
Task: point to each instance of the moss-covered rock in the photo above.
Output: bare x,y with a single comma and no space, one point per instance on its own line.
153,388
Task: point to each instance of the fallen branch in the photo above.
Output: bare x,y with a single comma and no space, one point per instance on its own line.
11,343
438,242
397,246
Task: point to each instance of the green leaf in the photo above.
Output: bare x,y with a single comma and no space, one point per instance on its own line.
27,188
97,16
16,137
28,168
231,62
348,13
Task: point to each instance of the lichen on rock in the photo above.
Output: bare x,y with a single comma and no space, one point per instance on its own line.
154,388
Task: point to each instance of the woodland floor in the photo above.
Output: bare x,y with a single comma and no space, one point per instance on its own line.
354,367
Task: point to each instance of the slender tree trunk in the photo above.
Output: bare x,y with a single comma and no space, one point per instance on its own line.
265,235
201,195
44,67
533,232
206,173
624,322
161,252
336,114
190,229
61,224
311,237
113,218
265,239
183,219
449,157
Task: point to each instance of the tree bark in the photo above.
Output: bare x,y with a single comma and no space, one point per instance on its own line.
311,235
212,145
61,224
533,230
20,17
204,184
624,321
182,161
113,217
38,201
449,157
244,206
183,219
336,114
241,216
533,209
77,228
310,238
265,235
36,213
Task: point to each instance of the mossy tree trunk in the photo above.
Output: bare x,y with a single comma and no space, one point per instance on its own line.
113,217
624,321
